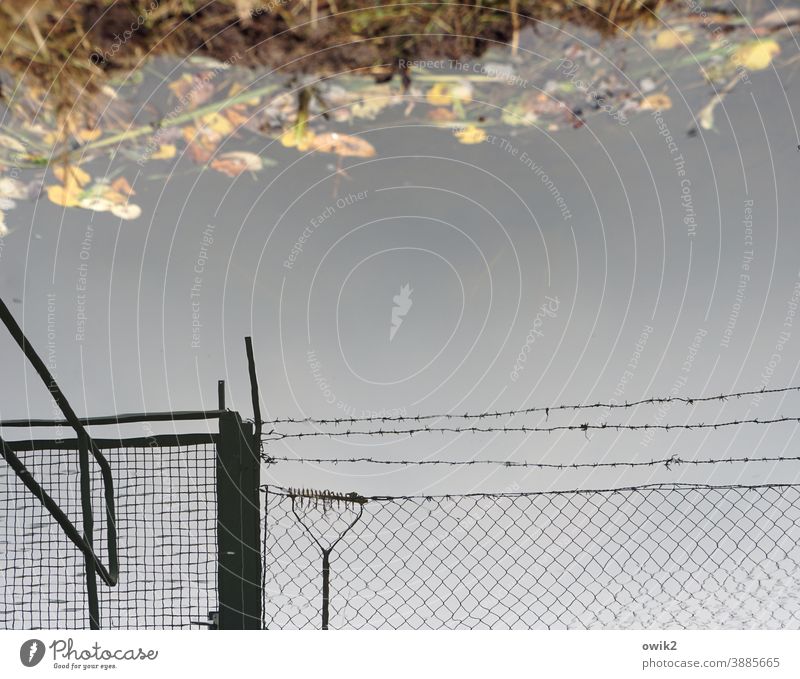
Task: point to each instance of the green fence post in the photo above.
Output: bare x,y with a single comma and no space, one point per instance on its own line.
238,520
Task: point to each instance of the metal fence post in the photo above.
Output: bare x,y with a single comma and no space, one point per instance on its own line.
88,530
326,587
238,519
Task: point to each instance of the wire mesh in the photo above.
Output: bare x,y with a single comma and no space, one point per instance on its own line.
166,523
651,557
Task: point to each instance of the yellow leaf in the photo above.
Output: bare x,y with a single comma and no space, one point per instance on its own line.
51,138
236,89
89,135
670,39
444,94
369,108
165,152
342,145
60,195
189,134
219,123
656,102
290,139
182,85
756,55
71,175
471,135
439,95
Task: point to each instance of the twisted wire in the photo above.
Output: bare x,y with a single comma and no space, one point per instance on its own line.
668,462
584,427
537,409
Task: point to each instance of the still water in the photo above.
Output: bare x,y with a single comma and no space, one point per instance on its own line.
609,261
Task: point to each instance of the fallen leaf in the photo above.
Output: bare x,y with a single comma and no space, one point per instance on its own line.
115,197
89,135
231,168
235,114
656,102
291,139
198,153
444,94
165,152
441,115
470,135
369,108
71,175
706,115
237,162
62,196
670,39
342,145
3,227
52,138
438,95
756,55
193,90
12,188
128,211
122,186
218,123
251,161
201,143
96,204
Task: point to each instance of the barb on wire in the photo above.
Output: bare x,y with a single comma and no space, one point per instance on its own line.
585,427
280,490
669,462
537,409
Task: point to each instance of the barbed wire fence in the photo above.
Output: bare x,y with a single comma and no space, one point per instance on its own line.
610,405
642,556
653,556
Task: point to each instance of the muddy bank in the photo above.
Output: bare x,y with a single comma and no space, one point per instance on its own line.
62,50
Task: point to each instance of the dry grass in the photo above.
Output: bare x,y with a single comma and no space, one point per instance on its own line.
61,53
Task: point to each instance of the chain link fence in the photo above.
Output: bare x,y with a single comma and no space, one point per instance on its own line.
650,557
166,515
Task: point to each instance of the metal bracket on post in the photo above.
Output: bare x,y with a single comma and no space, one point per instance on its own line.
238,520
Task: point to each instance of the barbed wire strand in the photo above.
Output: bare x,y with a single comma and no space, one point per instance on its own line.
537,409
280,490
585,427
668,462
